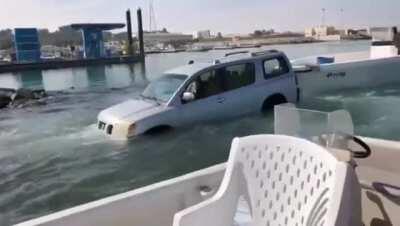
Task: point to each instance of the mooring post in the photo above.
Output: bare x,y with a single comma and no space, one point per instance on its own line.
140,35
129,30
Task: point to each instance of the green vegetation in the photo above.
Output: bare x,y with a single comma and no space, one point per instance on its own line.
64,36
261,33
5,39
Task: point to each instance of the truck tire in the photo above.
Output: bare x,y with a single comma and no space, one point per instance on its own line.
271,101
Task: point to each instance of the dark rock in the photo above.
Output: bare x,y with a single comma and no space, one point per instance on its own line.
27,98
23,94
4,101
21,97
39,94
27,94
7,92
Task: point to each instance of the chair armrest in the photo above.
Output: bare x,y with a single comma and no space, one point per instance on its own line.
217,211
346,209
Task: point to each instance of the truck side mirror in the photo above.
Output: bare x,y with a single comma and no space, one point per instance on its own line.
188,97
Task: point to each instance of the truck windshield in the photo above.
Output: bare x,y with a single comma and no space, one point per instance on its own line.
163,88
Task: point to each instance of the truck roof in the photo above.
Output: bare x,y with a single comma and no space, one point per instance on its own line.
189,69
194,67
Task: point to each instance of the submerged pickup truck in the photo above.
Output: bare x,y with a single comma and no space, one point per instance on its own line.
198,92
244,82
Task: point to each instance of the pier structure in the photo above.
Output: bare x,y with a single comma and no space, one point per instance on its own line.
131,50
140,36
27,45
28,54
92,35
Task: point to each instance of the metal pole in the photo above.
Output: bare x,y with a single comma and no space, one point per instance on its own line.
140,35
129,26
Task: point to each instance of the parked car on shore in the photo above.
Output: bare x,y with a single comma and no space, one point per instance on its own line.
238,84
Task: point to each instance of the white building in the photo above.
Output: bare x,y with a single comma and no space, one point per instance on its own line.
309,32
323,33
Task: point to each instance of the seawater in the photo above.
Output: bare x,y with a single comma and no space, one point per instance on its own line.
52,157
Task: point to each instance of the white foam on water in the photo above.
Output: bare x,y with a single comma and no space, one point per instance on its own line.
369,94
8,133
86,133
332,97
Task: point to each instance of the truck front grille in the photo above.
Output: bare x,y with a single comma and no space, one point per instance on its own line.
101,125
109,129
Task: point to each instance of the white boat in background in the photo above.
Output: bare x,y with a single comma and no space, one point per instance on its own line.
335,72
309,173
346,73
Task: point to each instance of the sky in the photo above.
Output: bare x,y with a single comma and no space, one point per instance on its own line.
188,16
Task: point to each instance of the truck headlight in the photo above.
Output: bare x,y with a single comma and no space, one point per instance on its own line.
132,130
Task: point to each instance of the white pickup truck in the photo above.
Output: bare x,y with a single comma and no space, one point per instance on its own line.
244,82
197,92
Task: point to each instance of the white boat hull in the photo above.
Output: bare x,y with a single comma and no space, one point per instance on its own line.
349,75
154,205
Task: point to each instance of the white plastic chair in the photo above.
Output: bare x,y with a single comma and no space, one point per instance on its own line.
286,181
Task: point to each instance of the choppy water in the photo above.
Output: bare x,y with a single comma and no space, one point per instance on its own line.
52,157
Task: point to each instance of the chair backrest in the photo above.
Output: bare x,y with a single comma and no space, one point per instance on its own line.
290,181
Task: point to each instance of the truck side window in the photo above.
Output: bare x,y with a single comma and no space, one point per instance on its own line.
206,85
238,76
275,67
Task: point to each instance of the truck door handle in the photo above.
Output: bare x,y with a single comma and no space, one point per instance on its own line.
221,100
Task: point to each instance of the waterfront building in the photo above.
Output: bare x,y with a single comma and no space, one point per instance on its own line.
56,52
114,48
309,32
92,34
27,45
50,52
323,33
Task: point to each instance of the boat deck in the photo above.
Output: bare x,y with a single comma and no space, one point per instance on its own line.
378,175
243,215
379,209
339,58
